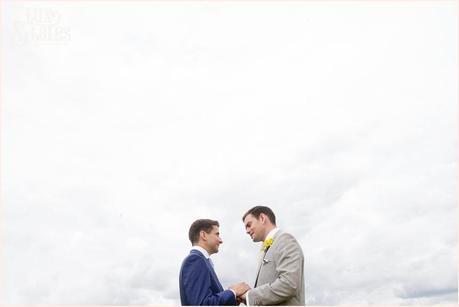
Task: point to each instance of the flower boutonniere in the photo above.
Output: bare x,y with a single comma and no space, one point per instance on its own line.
267,243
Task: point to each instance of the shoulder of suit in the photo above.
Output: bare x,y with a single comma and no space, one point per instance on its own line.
286,237
193,258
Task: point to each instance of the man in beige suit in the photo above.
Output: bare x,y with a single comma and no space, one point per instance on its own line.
280,278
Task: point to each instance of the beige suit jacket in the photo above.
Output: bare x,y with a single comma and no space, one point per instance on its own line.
280,279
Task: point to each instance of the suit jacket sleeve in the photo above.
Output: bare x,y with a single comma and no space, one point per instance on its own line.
197,285
289,262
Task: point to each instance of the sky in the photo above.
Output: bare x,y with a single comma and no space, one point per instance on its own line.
123,122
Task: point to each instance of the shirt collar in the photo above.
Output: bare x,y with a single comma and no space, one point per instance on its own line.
272,233
202,250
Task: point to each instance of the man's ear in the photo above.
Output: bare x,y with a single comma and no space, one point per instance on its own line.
203,235
262,218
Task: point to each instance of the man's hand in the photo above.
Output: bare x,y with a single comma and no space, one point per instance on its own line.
242,299
240,288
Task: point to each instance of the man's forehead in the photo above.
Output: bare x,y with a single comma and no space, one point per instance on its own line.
249,218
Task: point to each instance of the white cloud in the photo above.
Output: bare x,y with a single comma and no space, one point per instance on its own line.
341,116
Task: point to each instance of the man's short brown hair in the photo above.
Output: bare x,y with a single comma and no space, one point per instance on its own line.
257,210
198,225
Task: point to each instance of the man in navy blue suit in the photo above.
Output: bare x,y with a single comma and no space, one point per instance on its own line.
199,283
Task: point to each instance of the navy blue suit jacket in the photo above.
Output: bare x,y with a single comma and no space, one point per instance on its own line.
199,284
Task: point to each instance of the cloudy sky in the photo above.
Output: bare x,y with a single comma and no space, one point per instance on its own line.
123,122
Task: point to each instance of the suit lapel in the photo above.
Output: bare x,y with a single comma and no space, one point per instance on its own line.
210,267
263,254
212,272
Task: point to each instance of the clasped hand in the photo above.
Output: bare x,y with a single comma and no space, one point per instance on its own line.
240,289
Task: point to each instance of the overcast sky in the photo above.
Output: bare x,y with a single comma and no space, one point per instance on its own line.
123,122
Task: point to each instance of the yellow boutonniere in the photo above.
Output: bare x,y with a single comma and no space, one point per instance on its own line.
267,243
